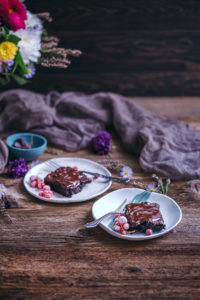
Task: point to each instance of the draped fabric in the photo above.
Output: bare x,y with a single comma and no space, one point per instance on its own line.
69,121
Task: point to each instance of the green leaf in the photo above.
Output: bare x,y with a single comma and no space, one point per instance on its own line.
5,30
14,39
44,33
19,79
4,80
14,67
21,64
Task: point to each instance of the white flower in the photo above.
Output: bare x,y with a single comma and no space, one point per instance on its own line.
29,45
33,22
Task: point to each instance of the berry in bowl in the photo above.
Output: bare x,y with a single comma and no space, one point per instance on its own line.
26,145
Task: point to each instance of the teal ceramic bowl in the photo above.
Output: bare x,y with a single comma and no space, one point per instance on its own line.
39,145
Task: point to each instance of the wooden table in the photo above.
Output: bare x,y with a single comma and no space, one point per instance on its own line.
46,253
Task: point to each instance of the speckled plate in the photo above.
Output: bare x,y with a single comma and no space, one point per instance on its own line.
170,210
89,191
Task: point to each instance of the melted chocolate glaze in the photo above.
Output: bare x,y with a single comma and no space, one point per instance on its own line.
142,216
66,181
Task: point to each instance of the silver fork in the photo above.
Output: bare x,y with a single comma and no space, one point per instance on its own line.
115,179
97,221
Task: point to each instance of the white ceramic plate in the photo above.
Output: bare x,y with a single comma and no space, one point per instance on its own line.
170,210
89,191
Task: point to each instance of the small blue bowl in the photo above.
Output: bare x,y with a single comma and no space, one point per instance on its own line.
39,145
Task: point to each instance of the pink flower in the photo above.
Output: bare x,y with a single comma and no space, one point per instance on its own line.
4,9
12,14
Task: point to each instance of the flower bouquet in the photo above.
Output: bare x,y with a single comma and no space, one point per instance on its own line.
24,42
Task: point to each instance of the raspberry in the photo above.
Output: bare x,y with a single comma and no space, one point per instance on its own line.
75,168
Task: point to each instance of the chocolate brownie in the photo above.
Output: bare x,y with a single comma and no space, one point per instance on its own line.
143,216
66,181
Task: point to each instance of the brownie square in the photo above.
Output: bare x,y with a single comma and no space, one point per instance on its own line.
67,181
143,216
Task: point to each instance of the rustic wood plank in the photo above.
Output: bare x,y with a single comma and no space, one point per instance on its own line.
127,14
128,83
183,108
132,63
47,253
134,51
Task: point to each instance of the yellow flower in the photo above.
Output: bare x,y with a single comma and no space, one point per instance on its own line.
7,50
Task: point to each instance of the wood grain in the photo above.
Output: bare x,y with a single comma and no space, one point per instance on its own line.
133,51
46,253
121,14
137,48
131,63
126,83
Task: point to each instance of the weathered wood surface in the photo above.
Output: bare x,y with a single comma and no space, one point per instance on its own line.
46,253
140,47
121,14
128,83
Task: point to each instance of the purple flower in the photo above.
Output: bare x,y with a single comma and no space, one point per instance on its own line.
31,71
101,143
152,188
1,66
2,190
6,66
17,168
126,172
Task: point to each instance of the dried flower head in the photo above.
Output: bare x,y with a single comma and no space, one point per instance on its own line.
17,168
101,143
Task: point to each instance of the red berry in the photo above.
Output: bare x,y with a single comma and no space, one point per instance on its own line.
46,188
116,221
48,195
126,226
33,178
41,185
122,220
41,194
116,228
149,231
33,183
123,232
75,168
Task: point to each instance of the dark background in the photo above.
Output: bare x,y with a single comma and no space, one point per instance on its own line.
132,47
